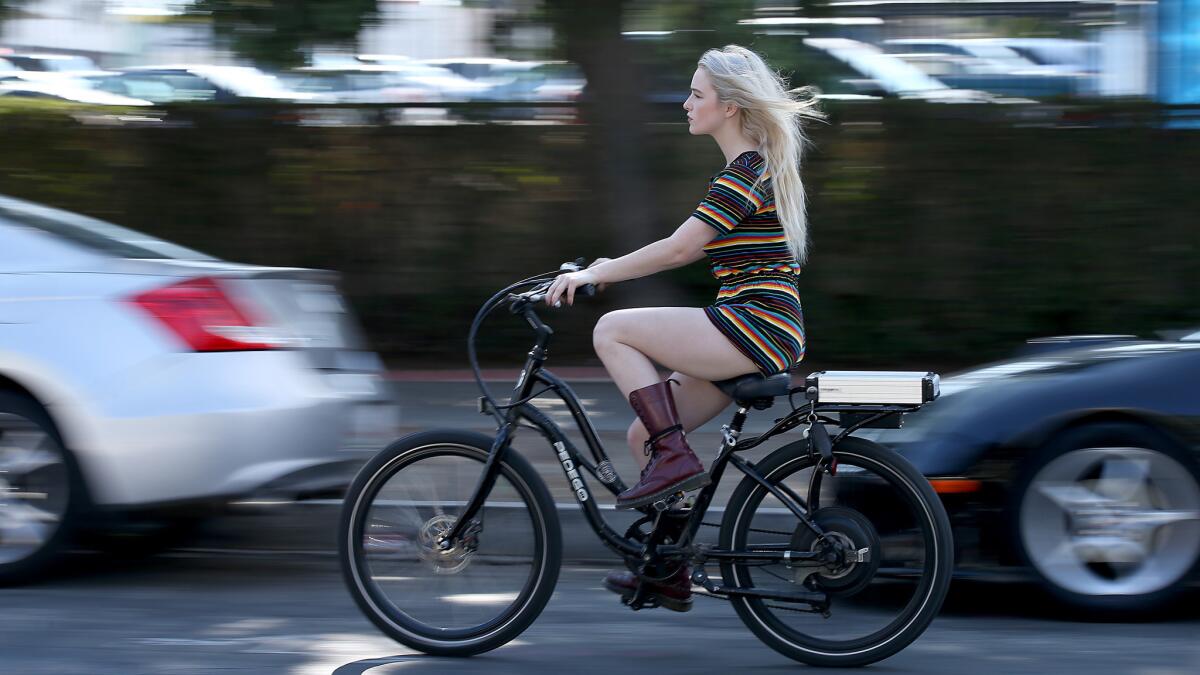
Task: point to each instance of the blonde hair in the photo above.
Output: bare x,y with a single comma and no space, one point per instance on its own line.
771,117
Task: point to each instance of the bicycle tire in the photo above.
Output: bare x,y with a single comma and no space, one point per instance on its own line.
392,620
932,588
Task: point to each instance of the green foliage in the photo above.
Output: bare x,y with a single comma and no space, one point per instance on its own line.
941,236
275,32
9,7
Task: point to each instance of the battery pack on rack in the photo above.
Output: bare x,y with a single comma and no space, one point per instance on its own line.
887,387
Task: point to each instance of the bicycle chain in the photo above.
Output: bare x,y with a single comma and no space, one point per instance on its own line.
752,529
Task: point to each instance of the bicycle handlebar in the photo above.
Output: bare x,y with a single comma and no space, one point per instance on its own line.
538,294
518,302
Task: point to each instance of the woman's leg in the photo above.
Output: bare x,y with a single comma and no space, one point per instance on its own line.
698,401
630,341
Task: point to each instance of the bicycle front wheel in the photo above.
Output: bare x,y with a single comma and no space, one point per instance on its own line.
876,504
475,596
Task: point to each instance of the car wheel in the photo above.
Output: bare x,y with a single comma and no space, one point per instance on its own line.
40,490
1108,517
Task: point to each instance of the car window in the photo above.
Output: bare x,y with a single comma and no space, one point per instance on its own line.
321,83
244,81
366,81
26,249
168,88
26,62
93,234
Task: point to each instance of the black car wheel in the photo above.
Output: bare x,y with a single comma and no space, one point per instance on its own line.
41,493
1107,515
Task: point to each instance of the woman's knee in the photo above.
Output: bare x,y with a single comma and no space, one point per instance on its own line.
609,328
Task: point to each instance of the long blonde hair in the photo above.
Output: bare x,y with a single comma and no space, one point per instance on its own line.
771,117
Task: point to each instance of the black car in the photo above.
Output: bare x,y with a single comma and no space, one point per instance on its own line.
1078,460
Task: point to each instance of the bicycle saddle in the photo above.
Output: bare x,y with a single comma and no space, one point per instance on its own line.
756,386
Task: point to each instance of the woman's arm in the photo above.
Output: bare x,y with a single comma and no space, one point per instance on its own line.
685,245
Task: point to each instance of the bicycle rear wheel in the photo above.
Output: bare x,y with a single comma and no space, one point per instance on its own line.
474,597
876,501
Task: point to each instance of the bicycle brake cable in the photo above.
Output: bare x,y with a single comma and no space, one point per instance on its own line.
487,308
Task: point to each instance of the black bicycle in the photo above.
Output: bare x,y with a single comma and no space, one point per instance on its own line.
833,551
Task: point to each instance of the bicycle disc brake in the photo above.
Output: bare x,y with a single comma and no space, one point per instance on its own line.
450,560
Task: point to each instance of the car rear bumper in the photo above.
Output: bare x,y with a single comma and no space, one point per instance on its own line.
195,426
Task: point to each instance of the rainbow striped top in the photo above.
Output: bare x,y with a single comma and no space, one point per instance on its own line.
750,239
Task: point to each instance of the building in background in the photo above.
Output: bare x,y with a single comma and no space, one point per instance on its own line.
118,33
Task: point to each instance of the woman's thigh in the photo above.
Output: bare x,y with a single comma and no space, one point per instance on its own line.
679,338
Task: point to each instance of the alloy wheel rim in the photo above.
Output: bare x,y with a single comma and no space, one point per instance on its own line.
34,488
1112,521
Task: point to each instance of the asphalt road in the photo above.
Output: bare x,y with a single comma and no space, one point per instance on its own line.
185,613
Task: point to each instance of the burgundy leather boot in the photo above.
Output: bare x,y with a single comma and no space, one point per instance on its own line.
674,592
673,467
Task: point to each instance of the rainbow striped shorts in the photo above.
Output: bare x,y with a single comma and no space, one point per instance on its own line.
761,315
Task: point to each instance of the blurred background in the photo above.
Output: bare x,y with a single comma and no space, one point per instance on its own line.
241,242
987,166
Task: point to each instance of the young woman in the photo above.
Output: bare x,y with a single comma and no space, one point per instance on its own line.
753,228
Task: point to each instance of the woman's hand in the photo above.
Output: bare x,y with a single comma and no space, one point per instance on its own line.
597,261
565,284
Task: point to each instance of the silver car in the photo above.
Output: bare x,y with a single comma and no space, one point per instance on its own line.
137,374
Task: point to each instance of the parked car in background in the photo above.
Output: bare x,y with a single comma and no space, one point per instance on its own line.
1078,59
355,84
52,63
1078,460
982,64
71,89
510,80
442,83
867,72
192,83
1054,54
142,380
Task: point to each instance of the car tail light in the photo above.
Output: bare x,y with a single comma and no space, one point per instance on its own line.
200,313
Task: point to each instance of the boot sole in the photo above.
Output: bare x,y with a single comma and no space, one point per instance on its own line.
663,601
694,483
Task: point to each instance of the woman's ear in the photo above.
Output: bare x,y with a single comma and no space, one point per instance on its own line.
731,109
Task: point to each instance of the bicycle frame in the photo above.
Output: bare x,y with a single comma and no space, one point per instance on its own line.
520,409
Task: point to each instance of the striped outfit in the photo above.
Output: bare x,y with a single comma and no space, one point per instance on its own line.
758,304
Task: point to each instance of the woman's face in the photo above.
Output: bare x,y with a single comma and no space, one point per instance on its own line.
705,113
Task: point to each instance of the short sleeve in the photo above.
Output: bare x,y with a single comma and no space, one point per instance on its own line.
732,198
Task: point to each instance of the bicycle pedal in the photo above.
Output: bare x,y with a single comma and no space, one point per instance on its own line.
667,502
632,602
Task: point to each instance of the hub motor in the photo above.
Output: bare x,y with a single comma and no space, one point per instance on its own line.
852,537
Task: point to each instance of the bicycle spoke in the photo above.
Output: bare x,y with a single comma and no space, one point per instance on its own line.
867,507
456,590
